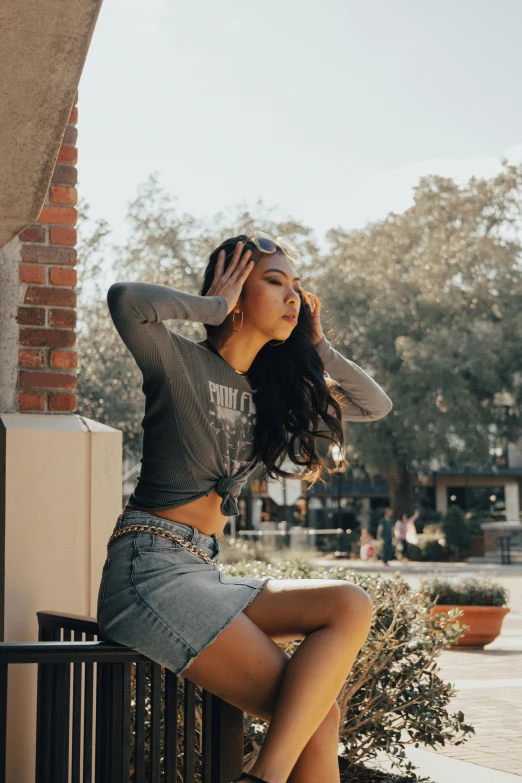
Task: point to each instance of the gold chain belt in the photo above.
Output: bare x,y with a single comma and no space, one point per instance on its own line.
159,531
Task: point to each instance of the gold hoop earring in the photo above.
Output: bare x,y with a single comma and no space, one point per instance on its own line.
281,343
233,327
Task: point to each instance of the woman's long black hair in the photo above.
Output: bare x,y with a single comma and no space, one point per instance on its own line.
292,392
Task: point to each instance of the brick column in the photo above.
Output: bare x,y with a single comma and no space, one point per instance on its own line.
47,359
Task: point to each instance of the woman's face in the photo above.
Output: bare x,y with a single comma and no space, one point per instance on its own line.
271,292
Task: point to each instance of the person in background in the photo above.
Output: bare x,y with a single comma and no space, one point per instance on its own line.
402,531
411,530
385,532
367,549
297,517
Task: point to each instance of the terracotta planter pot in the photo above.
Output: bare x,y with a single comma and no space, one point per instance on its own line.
484,623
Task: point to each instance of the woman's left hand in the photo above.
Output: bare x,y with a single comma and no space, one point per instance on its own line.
315,306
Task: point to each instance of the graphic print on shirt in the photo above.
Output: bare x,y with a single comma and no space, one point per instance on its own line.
232,416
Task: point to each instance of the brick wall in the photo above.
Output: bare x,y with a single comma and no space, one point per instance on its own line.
47,359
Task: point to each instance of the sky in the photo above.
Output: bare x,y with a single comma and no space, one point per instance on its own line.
327,111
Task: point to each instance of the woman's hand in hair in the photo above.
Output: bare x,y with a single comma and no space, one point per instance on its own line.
315,307
229,284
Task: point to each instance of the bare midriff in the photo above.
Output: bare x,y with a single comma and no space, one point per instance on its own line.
204,514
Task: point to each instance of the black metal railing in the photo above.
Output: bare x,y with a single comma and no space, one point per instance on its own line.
107,714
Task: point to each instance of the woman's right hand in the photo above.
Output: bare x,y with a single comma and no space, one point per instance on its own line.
230,283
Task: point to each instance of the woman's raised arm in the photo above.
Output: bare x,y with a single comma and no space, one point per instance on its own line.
138,311
364,398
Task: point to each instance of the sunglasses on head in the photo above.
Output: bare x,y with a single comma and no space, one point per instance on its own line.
269,246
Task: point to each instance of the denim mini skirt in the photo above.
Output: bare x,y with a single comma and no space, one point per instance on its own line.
163,600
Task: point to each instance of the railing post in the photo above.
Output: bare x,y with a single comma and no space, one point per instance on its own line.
44,709
227,741
3,720
206,737
155,722
88,713
170,737
60,725
102,757
120,724
139,739
189,730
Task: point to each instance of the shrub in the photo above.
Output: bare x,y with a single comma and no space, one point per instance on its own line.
434,551
413,551
469,591
427,548
233,550
394,687
456,530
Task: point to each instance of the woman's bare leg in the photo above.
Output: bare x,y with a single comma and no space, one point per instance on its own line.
245,667
318,668
318,760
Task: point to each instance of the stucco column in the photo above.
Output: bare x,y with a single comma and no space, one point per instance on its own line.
60,493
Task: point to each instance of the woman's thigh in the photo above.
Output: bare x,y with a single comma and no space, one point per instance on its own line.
244,665
289,609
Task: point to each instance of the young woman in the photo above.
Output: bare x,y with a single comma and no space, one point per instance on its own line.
405,532
253,391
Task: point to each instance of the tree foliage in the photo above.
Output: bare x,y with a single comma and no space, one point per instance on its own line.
430,302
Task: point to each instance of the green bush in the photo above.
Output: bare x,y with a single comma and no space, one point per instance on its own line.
427,548
394,688
469,591
434,552
456,530
413,552
233,550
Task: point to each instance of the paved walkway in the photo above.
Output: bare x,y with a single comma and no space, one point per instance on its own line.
488,683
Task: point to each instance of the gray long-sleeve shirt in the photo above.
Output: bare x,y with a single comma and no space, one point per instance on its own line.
199,413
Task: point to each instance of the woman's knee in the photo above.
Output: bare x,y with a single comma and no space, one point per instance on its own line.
352,603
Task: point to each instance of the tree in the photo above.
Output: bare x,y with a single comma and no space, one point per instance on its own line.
430,303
